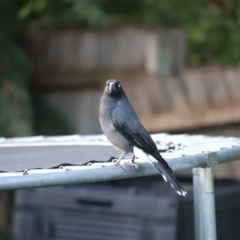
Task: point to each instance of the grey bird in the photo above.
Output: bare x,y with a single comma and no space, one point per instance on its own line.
124,130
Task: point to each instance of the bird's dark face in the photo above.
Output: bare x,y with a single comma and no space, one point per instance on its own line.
113,88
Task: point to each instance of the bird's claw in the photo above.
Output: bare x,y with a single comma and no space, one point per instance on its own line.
118,164
132,164
121,166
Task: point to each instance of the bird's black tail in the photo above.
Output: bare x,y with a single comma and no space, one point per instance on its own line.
167,175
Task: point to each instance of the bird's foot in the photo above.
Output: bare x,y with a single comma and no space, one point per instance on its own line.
117,163
132,164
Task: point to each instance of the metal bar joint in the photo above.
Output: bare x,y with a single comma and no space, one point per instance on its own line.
212,159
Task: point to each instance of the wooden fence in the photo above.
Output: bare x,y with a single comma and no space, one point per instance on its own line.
150,64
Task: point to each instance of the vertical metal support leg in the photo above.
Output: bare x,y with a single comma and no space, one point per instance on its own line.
204,204
198,228
208,203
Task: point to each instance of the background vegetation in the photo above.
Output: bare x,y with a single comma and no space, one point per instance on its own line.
15,107
212,28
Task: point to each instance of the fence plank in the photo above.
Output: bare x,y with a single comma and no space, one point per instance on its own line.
195,90
214,84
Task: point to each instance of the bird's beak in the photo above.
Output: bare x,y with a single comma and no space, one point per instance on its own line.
112,86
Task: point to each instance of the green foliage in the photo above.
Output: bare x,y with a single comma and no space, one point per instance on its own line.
15,106
212,26
82,13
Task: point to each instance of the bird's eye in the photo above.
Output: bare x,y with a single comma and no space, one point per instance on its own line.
119,85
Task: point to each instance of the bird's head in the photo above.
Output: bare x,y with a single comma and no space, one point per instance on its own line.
113,88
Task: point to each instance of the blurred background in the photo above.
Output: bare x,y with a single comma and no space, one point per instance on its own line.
178,62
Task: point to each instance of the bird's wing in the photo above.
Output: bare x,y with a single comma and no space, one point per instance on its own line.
129,126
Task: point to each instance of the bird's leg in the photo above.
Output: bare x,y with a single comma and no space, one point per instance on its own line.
132,162
119,160
127,163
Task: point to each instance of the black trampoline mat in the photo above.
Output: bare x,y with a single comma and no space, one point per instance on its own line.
18,157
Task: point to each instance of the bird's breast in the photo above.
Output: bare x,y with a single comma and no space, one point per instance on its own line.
107,107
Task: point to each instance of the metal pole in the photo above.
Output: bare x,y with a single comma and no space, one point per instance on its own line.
204,204
197,204
208,203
